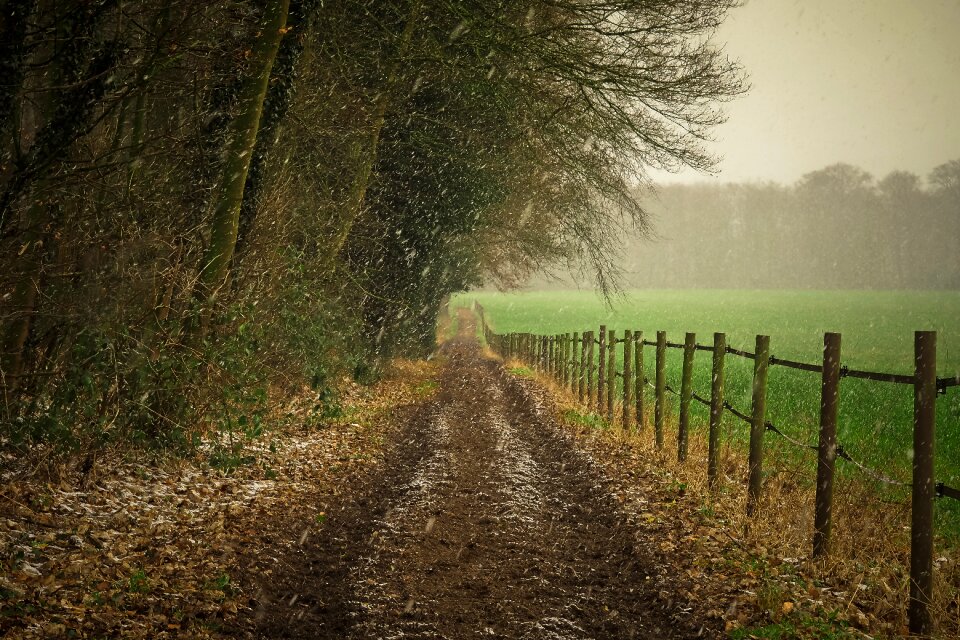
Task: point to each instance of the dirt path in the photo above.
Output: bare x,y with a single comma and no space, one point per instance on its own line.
484,521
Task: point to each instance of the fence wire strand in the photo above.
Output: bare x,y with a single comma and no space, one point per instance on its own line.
873,473
793,364
696,396
771,427
942,490
945,383
896,378
732,409
741,353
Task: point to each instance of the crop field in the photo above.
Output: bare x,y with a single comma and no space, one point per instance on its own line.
875,420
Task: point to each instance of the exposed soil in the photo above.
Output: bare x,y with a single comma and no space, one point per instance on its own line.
484,519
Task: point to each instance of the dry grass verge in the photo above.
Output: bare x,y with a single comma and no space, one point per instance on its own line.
757,573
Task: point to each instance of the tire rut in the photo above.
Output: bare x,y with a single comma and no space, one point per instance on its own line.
484,521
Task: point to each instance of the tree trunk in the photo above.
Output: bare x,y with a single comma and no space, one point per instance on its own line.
275,107
23,303
241,138
365,150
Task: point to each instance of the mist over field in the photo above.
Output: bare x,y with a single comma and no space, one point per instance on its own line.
836,228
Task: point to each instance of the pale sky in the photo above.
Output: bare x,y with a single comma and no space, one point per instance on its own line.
875,83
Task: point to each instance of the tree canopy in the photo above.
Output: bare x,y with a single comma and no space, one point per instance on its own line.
203,202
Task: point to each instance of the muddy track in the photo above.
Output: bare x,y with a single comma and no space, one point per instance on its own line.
484,521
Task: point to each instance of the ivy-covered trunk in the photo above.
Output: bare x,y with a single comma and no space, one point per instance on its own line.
364,151
241,138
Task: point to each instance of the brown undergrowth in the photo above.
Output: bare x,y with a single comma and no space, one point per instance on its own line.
758,573
165,549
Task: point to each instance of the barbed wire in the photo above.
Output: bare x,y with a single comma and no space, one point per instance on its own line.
942,490
873,473
771,427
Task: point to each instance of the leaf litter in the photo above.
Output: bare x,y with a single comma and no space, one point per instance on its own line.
157,550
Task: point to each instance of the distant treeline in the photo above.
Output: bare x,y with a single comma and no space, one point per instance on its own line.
835,228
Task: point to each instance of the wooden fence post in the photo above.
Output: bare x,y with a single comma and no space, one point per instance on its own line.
921,520
575,363
827,448
716,406
591,387
552,355
639,378
758,422
627,379
601,368
659,407
564,360
611,373
555,342
555,356
550,360
561,347
686,394
582,379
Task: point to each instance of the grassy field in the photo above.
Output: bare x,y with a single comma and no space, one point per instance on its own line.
875,423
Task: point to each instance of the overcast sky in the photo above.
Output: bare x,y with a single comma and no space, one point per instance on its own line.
875,83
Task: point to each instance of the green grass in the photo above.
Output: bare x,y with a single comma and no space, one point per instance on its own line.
875,422
454,327
798,626
426,387
591,420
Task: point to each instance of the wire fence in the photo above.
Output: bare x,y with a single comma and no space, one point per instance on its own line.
585,362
